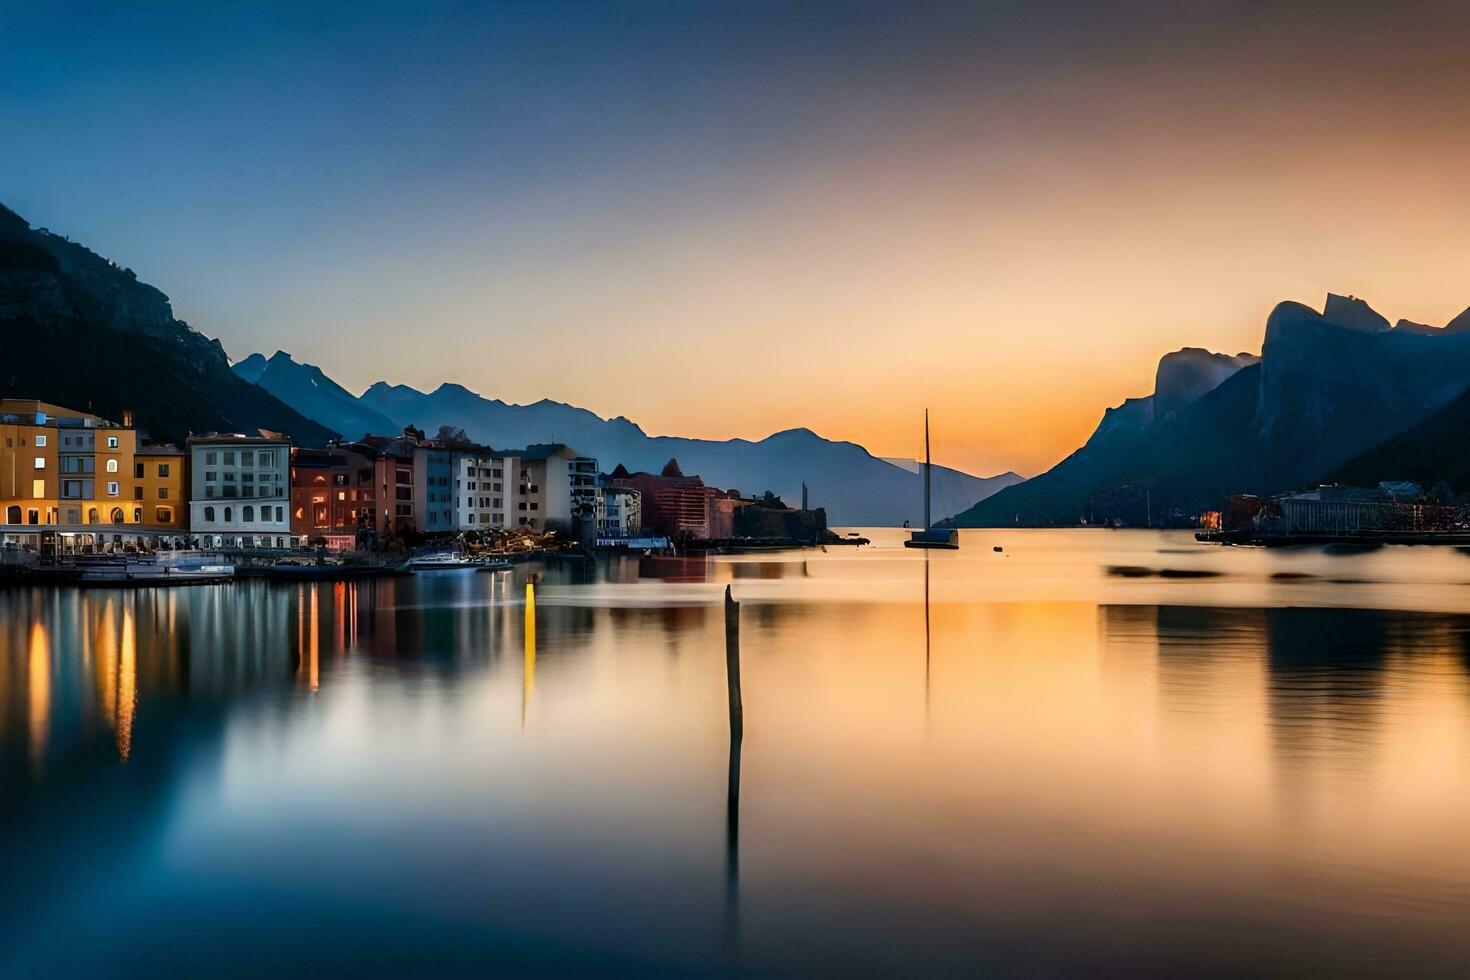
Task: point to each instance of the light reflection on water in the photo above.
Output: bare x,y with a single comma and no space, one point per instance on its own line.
1075,771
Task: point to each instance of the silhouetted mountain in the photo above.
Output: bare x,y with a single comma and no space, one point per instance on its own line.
1327,388
1428,453
82,332
305,388
854,486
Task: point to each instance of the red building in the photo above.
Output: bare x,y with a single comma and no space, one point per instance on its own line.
333,494
679,505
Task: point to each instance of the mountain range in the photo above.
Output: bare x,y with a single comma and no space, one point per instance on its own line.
855,487
83,332
1336,394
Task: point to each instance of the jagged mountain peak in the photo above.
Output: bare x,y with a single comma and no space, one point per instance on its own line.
1350,311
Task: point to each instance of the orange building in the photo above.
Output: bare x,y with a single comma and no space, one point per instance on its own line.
61,466
161,490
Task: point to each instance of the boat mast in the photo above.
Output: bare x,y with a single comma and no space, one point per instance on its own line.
926,469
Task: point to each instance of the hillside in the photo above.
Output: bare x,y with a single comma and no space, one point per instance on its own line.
83,332
1328,386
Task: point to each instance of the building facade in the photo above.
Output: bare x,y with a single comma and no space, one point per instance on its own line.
485,485
333,495
59,466
620,513
240,491
557,488
161,489
671,503
433,489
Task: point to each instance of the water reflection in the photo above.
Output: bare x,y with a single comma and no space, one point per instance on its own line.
435,764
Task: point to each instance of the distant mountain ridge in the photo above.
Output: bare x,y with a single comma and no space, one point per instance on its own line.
854,486
307,389
81,331
1327,387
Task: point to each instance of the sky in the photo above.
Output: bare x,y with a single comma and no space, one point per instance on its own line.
725,220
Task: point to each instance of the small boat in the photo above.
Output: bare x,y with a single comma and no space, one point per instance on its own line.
931,536
441,561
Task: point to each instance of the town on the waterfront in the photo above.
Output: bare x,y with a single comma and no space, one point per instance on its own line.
75,486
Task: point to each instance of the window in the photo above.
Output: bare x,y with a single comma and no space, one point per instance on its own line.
280,514
112,466
137,493
229,458
163,469
138,470
117,515
33,516
229,515
40,444
163,493
38,489
247,458
209,514
112,442
137,515
40,462
267,457
210,459
163,515
112,489
248,516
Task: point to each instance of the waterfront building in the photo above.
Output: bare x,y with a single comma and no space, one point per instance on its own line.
333,495
722,506
393,479
433,488
485,488
161,487
59,466
620,513
671,503
557,488
239,490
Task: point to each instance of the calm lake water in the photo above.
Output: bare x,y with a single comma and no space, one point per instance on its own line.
1093,751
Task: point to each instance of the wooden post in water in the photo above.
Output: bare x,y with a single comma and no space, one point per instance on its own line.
732,666
732,787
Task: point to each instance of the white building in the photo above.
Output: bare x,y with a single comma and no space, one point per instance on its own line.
557,486
620,512
485,485
240,489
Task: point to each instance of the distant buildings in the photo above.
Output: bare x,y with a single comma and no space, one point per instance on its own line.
556,488
239,490
620,513
485,484
70,472
680,506
433,482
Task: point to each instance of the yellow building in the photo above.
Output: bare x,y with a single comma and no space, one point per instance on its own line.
59,466
161,491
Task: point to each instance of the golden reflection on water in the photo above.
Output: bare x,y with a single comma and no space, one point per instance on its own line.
1032,737
38,688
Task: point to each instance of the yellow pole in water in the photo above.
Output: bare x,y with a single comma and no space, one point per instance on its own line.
528,678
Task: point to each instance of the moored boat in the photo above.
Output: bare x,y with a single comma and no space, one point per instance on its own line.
931,536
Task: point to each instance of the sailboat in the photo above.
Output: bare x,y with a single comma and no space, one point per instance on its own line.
931,536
